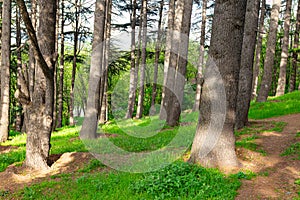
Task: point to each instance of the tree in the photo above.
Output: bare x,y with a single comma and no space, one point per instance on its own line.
295,52
246,67
258,49
210,148
270,54
40,108
5,67
285,50
90,123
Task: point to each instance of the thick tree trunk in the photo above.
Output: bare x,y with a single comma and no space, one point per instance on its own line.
140,106
214,143
61,70
90,123
171,16
256,68
132,87
5,67
157,54
295,53
285,50
246,67
270,54
201,58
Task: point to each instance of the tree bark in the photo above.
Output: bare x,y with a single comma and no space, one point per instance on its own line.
285,50
140,106
295,53
270,54
256,69
214,143
5,70
246,67
90,123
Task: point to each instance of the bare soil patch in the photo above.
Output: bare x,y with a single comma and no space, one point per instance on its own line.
7,149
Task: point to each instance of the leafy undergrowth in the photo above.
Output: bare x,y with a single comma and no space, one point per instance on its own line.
276,106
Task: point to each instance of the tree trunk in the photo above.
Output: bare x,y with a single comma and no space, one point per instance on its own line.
132,87
246,67
285,50
90,123
140,106
295,53
270,54
171,16
201,58
261,29
157,55
61,70
5,67
214,143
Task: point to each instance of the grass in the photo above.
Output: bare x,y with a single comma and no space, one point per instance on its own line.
293,150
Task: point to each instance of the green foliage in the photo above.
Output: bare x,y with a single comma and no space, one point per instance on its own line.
93,164
181,180
293,150
276,106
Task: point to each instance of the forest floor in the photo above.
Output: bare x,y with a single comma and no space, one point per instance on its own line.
275,174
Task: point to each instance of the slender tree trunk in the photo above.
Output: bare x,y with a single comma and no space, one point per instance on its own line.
5,67
201,58
140,107
246,67
61,70
256,68
171,16
214,143
285,50
295,53
90,123
132,87
157,55
270,54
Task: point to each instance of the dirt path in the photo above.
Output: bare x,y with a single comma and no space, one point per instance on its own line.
277,173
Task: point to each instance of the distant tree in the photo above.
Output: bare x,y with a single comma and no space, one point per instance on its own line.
270,54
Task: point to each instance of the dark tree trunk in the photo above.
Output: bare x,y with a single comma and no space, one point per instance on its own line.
270,54
246,67
214,143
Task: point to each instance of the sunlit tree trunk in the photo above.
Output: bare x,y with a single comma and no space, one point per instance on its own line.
214,143
270,54
5,67
246,67
285,50
256,66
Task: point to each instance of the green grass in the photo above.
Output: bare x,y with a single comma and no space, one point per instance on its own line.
293,150
276,106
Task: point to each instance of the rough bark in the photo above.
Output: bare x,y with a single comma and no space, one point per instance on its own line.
5,67
140,106
285,50
246,67
256,68
157,54
270,54
199,78
131,101
214,143
295,53
90,123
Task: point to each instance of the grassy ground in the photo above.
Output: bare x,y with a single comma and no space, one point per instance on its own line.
177,181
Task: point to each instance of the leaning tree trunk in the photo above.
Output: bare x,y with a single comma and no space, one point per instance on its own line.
90,123
40,108
270,54
214,143
247,59
140,106
295,53
256,67
199,78
285,50
5,67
